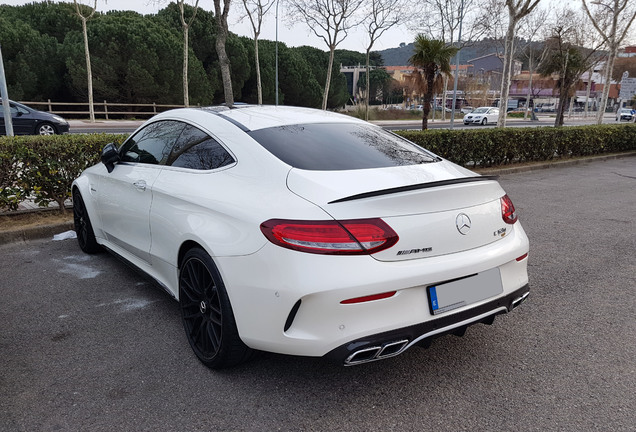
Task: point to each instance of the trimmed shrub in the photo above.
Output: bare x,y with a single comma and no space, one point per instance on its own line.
492,147
43,167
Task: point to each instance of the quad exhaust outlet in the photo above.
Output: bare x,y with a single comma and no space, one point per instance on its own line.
374,353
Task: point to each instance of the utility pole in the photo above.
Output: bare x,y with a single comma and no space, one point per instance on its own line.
459,46
8,125
276,52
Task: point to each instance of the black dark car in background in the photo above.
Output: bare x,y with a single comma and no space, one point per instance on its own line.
28,121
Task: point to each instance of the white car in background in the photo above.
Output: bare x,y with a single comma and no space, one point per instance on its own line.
303,232
482,116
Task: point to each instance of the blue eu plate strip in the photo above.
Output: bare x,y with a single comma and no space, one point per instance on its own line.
433,291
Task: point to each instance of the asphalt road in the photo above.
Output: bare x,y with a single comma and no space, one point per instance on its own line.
86,344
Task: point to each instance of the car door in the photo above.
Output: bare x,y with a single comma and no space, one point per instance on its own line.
126,194
18,120
23,121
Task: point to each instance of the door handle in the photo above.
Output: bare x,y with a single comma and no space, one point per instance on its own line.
140,185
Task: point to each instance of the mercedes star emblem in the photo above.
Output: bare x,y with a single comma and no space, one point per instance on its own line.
462,222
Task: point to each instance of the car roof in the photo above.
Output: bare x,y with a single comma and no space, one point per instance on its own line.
255,117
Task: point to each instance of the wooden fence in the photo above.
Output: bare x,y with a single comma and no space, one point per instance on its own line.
101,108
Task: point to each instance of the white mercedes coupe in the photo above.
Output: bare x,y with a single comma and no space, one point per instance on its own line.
303,232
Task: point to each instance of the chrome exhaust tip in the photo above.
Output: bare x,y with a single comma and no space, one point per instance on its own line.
517,302
382,352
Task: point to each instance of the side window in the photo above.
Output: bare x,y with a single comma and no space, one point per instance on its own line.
197,150
152,144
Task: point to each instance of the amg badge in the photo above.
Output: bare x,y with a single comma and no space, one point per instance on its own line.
414,251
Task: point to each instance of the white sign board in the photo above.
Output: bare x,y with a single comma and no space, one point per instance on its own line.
628,88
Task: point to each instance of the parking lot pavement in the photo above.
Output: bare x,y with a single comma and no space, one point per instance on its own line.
86,344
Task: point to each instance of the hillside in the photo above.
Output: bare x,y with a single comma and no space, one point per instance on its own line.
400,56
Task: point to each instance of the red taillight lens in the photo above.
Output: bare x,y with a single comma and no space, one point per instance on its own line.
349,237
508,213
369,298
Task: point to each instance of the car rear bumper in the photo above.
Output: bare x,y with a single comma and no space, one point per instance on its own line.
389,344
291,303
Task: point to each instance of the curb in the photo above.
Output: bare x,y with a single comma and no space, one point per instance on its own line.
36,233
557,164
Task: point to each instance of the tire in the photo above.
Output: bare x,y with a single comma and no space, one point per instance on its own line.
484,122
206,313
45,129
83,227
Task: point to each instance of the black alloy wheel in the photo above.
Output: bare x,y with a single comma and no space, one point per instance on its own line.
83,228
206,313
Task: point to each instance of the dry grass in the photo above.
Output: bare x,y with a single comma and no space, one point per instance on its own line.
10,222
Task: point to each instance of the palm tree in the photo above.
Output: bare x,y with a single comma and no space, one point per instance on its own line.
433,58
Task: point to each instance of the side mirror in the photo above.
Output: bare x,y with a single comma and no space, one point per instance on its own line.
110,156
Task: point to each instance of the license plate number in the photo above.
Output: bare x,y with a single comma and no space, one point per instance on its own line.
446,296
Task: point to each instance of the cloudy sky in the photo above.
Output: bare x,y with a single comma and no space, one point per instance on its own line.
295,36
292,36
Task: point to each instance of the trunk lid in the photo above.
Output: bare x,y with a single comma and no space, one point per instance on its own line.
436,209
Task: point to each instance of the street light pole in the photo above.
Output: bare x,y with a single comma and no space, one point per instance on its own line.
8,125
277,52
459,43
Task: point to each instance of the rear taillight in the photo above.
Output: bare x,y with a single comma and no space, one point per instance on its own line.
508,213
348,237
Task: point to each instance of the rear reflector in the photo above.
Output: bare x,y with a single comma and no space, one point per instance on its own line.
522,257
348,237
508,213
369,298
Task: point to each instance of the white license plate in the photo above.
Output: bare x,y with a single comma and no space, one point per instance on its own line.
446,296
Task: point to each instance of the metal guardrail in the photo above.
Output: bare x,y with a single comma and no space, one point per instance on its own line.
102,108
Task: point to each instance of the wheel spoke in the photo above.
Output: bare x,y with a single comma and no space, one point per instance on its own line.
190,291
214,336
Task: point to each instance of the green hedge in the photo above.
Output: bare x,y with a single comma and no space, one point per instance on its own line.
43,167
492,147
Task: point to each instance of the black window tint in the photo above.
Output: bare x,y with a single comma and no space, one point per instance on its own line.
153,143
197,150
329,147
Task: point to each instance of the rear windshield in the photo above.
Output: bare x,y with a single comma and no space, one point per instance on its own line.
333,147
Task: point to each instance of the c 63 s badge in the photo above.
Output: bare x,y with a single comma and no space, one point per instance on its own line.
500,232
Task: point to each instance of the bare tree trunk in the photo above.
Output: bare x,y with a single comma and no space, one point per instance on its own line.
221,15
609,66
529,95
506,73
588,90
563,102
89,73
224,63
259,87
325,95
444,98
186,92
366,108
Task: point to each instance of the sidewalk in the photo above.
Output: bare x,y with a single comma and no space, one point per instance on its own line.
106,124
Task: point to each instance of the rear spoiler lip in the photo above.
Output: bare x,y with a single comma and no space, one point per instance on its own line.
414,187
